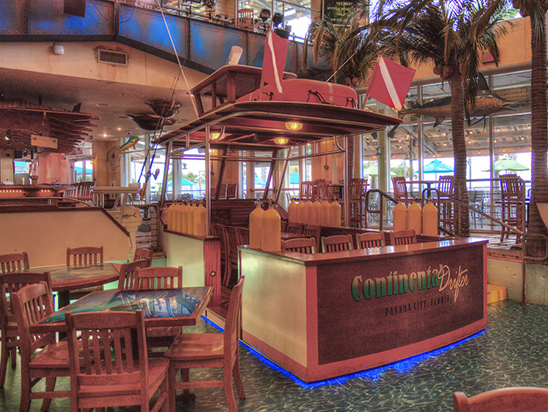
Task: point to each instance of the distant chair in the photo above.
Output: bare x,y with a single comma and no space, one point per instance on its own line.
219,230
235,236
403,237
84,191
117,371
128,277
321,189
356,195
306,245
210,350
512,193
524,399
446,192
84,256
313,231
336,243
295,228
306,191
246,19
145,254
232,190
31,304
11,283
14,262
400,190
369,240
159,277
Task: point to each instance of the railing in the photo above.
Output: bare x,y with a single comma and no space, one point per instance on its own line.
382,197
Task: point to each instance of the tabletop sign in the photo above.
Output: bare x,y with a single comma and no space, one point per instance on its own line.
337,10
43,141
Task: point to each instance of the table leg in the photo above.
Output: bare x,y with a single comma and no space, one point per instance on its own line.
63,298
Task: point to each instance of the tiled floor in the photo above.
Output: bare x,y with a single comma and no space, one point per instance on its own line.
511,352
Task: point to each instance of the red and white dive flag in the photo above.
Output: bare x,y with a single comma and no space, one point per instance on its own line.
274,60
390,82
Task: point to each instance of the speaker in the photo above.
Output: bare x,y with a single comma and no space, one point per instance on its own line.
75,7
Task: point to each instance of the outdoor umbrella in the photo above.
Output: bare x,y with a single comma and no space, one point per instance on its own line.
437,166
185,182
509,164
293,178
372,170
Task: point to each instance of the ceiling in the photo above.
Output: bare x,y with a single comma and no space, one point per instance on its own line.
110,102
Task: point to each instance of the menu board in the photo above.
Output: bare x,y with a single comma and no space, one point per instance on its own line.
337,10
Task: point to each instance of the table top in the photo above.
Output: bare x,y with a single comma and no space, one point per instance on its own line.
64,278
165,307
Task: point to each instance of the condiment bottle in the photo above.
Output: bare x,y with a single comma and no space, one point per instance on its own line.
399,216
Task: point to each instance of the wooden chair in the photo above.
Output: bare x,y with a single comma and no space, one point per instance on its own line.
84,256
13,262
356,197
233,241
294,227
159,277
246,19
219,230
210,350
232,190
400,190
321,189
146,254
10,283
403,237
116,370
446,192
306,191
522,399
306,245
313,231
31,304
369,240
84,191
128,277
336,243
512,193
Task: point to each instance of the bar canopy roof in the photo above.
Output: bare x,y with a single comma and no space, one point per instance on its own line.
253,125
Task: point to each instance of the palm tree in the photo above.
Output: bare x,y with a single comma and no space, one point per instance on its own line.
536,10
451,35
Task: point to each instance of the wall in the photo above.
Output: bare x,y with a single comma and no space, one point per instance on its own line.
54,167
6,166
106,166
46,235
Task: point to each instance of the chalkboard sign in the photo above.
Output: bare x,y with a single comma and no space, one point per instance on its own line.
337,10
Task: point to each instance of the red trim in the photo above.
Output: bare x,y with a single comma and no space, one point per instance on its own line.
311,316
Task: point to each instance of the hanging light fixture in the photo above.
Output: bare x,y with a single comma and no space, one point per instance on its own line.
293,126
281,140
217,134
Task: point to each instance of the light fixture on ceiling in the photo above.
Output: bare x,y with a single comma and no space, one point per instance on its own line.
293,126
281,140
217,133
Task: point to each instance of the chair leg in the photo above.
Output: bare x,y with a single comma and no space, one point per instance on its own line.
238,379
50,387
24,406
165,389
229,391
3,362
172,378
13,355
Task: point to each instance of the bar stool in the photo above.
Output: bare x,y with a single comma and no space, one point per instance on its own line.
512,198
445,202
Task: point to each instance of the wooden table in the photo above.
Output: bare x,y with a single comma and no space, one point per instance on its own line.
65,278
169,307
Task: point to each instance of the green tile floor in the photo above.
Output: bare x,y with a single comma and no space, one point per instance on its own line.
512,351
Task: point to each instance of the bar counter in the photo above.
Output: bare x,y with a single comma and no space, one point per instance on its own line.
326,315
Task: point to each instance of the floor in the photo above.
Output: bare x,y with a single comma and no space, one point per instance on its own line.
512,351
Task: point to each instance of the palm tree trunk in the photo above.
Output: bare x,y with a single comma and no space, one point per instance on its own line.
462,223
539,140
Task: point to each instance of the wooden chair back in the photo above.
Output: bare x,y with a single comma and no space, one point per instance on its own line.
13,262
84,190
306,245
357,188
528,399
306,191
400,189
403,237
9,284
146,254
232,190
84,256
243,235
128,276
246,19
113,370
445,186
313,231
294,227
369,240
232,325
159,277
336,243
31,304
321,189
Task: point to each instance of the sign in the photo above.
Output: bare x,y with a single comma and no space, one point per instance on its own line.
337,10
43,141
